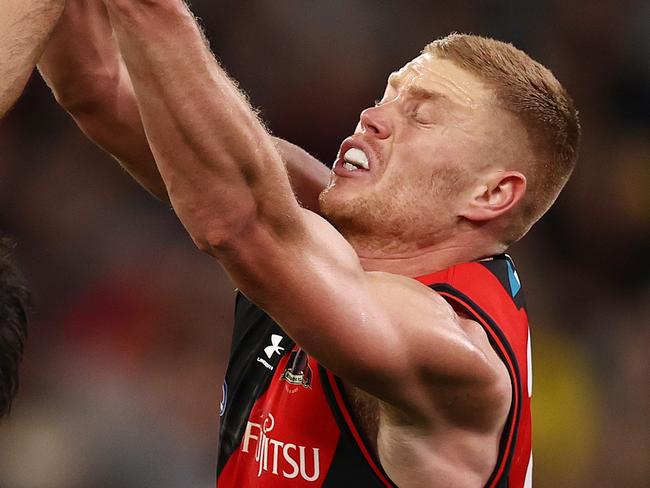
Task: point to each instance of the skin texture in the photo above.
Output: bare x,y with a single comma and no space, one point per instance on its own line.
24,27
231,191
85,70
432,136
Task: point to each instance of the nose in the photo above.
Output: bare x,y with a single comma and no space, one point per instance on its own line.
374,121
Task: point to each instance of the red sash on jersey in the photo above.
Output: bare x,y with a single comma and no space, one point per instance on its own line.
300,431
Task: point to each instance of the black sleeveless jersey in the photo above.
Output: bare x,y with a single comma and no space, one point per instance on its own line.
285,419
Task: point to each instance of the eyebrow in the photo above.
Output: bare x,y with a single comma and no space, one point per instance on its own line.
424,94
419,91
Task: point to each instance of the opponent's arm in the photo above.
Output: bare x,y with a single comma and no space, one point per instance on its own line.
389,335
24,27
83,66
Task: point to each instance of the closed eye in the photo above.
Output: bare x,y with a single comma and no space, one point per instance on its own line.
423,112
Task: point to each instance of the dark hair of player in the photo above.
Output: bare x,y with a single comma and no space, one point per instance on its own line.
14,299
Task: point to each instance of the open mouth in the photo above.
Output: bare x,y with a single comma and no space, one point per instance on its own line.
355,159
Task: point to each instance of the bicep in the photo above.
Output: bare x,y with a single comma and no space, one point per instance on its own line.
310,281
386,334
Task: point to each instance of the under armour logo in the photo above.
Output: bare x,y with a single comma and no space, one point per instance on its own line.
275,346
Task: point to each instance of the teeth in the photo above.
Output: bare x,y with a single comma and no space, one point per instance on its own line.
349,167
356,157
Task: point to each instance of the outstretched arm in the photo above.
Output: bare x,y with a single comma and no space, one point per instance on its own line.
83,66
386,334
24,27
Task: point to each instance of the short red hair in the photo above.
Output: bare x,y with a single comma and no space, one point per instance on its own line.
532,93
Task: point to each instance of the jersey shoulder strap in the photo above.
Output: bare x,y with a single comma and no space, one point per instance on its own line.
490,292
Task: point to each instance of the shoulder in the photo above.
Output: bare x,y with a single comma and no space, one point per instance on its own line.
455,369
408,299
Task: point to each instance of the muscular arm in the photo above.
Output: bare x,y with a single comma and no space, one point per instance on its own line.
83,66
386,334
24,27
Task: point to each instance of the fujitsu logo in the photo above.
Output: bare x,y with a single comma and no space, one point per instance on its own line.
277,457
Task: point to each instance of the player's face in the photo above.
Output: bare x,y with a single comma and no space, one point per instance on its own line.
418,155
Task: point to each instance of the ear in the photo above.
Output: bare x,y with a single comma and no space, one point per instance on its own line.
501,193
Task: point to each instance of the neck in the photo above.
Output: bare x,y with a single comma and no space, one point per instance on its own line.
424,260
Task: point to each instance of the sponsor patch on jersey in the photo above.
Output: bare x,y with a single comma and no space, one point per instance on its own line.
278,457
298,372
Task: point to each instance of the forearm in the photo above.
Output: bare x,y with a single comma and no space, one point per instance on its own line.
220,166
24,27
83,67
81,62
308,175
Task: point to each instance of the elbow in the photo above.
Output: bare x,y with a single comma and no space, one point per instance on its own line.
87,94
221,235
220,240
210,240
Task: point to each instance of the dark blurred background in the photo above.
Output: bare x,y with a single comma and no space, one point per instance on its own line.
121,382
